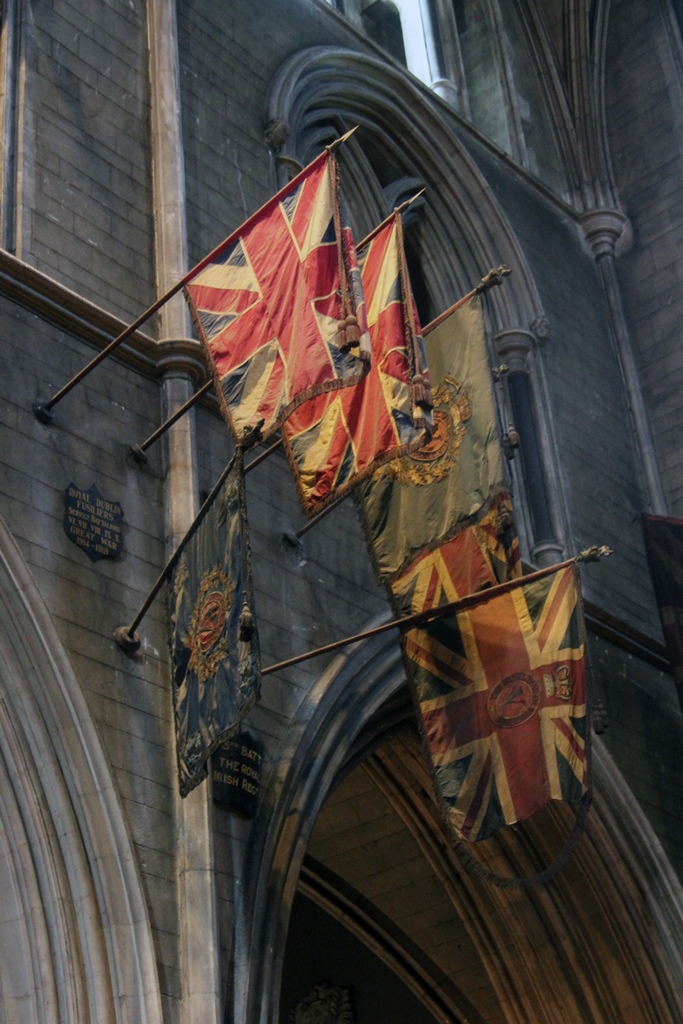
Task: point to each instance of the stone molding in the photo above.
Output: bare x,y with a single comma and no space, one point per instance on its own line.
513,347
182,357
92,949
361,87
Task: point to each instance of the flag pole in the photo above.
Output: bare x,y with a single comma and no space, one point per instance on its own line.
43,410
591,554
125,636
493,278
398,209
138,450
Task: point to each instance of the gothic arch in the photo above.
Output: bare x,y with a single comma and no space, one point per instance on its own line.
77,944
613,919
466,226
464,229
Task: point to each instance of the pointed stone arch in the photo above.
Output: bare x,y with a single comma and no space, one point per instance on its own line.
323,91
467,228
78,942
619,901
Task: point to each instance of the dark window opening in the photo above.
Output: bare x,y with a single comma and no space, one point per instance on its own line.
460,16
383,24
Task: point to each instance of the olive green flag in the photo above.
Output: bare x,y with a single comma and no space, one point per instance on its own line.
420,501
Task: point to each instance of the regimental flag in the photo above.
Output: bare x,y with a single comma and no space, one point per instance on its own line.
664,546
213,637
335,440
417,503
500,690
479,557
279,305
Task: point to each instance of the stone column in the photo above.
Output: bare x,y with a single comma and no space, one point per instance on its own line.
514,347
9,93
182,367
602,229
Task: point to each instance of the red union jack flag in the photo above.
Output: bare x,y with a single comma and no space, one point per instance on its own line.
335,440
501,693
279,307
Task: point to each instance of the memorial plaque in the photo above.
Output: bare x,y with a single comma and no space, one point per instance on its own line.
93,523
236,773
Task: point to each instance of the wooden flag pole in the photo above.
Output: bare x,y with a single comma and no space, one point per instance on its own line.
398,209
493,278
138,450
419,618
43,409
129,641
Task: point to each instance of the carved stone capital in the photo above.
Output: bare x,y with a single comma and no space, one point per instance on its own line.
602,230
513,347
182,357
547,552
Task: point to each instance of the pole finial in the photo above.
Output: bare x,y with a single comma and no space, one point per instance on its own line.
493,278
594,553
337,142
408,202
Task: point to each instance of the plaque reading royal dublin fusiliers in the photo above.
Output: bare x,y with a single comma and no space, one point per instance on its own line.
93,523
236,773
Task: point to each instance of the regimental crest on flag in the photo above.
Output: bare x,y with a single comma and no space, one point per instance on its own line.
279,306
422,500
500,689
435,459
334,441
214,642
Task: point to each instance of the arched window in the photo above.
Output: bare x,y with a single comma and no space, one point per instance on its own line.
382,23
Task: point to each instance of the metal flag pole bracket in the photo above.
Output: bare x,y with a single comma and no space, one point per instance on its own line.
128,641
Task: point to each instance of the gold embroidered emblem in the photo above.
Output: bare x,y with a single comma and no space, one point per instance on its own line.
206,636
434,460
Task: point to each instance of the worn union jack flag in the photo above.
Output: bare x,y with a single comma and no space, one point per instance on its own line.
479,557
338,438
501,694
279,305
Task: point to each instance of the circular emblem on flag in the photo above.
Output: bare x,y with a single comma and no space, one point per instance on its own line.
212,616
435,459
438,442
206,638
513,700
